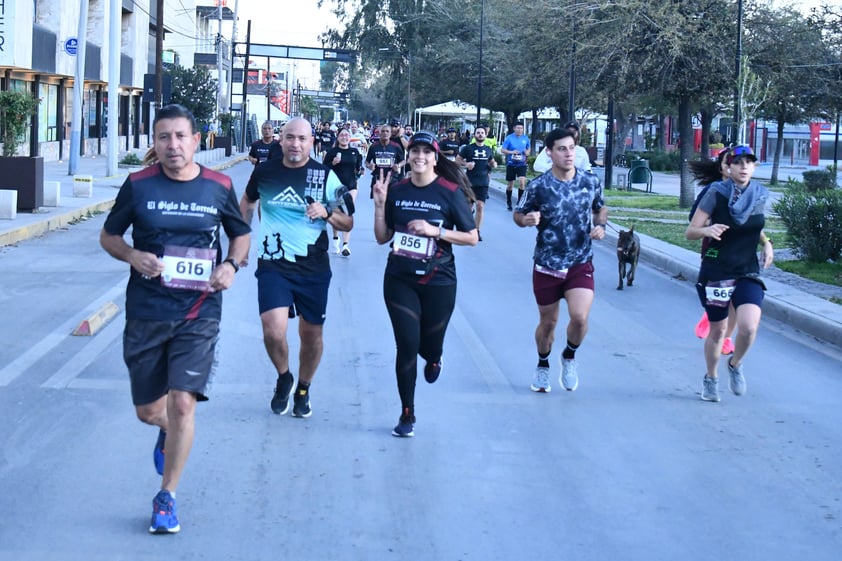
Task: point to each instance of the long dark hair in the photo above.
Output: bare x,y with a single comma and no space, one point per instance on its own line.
444,168
451,171
706,172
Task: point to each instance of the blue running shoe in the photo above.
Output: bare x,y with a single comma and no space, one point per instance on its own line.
158,452
164,519
405,427
432,371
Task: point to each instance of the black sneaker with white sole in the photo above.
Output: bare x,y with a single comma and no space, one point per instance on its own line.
280,401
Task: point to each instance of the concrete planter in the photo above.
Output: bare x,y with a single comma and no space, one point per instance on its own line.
223,142
26,176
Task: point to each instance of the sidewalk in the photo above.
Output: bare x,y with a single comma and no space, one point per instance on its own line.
784,302
31,224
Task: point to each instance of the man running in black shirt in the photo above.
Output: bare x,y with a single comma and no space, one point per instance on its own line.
265,148
176,209
449,147
478,158
387,155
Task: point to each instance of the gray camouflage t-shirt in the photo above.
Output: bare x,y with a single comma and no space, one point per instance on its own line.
566,208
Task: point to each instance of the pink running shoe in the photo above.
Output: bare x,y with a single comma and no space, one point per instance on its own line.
703,327
727,346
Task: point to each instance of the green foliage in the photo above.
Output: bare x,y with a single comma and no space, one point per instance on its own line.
16,108
131,159
226,121
828,273
819,180
196,90
659,160
813,222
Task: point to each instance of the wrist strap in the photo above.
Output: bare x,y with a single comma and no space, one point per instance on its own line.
233,264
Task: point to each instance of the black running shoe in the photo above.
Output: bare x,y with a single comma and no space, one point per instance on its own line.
301,403
280,401
405,427
432,371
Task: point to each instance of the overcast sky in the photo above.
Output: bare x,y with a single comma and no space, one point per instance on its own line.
296,23
283,22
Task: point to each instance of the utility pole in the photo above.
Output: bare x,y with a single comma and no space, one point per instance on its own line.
78,89
735,138
159,55
219,60
479,79
114,25
243,110
233,54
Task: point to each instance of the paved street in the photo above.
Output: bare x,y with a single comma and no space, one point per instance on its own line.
631,466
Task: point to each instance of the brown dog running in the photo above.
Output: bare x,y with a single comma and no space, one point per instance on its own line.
628,252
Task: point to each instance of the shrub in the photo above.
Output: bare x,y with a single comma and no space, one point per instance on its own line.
813,222
131,159
660,160
819,180
16,109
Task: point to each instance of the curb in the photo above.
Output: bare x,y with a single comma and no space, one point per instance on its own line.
53,223
662,256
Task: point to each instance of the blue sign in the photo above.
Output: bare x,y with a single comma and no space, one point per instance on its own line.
70,46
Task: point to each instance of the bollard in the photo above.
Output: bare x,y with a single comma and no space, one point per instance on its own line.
8,204
83,186
52,193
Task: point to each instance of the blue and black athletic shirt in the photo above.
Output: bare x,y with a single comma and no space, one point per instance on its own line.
165,212
288,239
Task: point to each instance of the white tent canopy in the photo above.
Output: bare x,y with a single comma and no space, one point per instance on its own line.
456,109
550,113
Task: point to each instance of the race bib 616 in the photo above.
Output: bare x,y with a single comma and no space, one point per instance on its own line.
187,267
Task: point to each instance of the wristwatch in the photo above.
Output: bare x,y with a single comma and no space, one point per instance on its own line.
233,264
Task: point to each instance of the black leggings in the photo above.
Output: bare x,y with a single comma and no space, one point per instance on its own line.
419,314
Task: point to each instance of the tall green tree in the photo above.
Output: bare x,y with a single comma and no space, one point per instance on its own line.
790,67
195,89
674,49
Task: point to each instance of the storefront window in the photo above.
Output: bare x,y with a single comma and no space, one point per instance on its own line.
47,112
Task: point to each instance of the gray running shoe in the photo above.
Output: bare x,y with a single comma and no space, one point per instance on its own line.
569,378
710,389
541,381
738,381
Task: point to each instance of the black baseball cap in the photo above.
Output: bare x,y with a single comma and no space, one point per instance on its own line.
451,129
572,125
395,123
424,137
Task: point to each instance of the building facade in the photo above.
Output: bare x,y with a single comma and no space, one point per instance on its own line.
38,54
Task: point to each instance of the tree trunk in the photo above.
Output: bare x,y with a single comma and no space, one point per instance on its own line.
685,134
779,150
662,132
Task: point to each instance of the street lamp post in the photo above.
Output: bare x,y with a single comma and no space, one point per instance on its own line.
409,88
738,64
479,79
